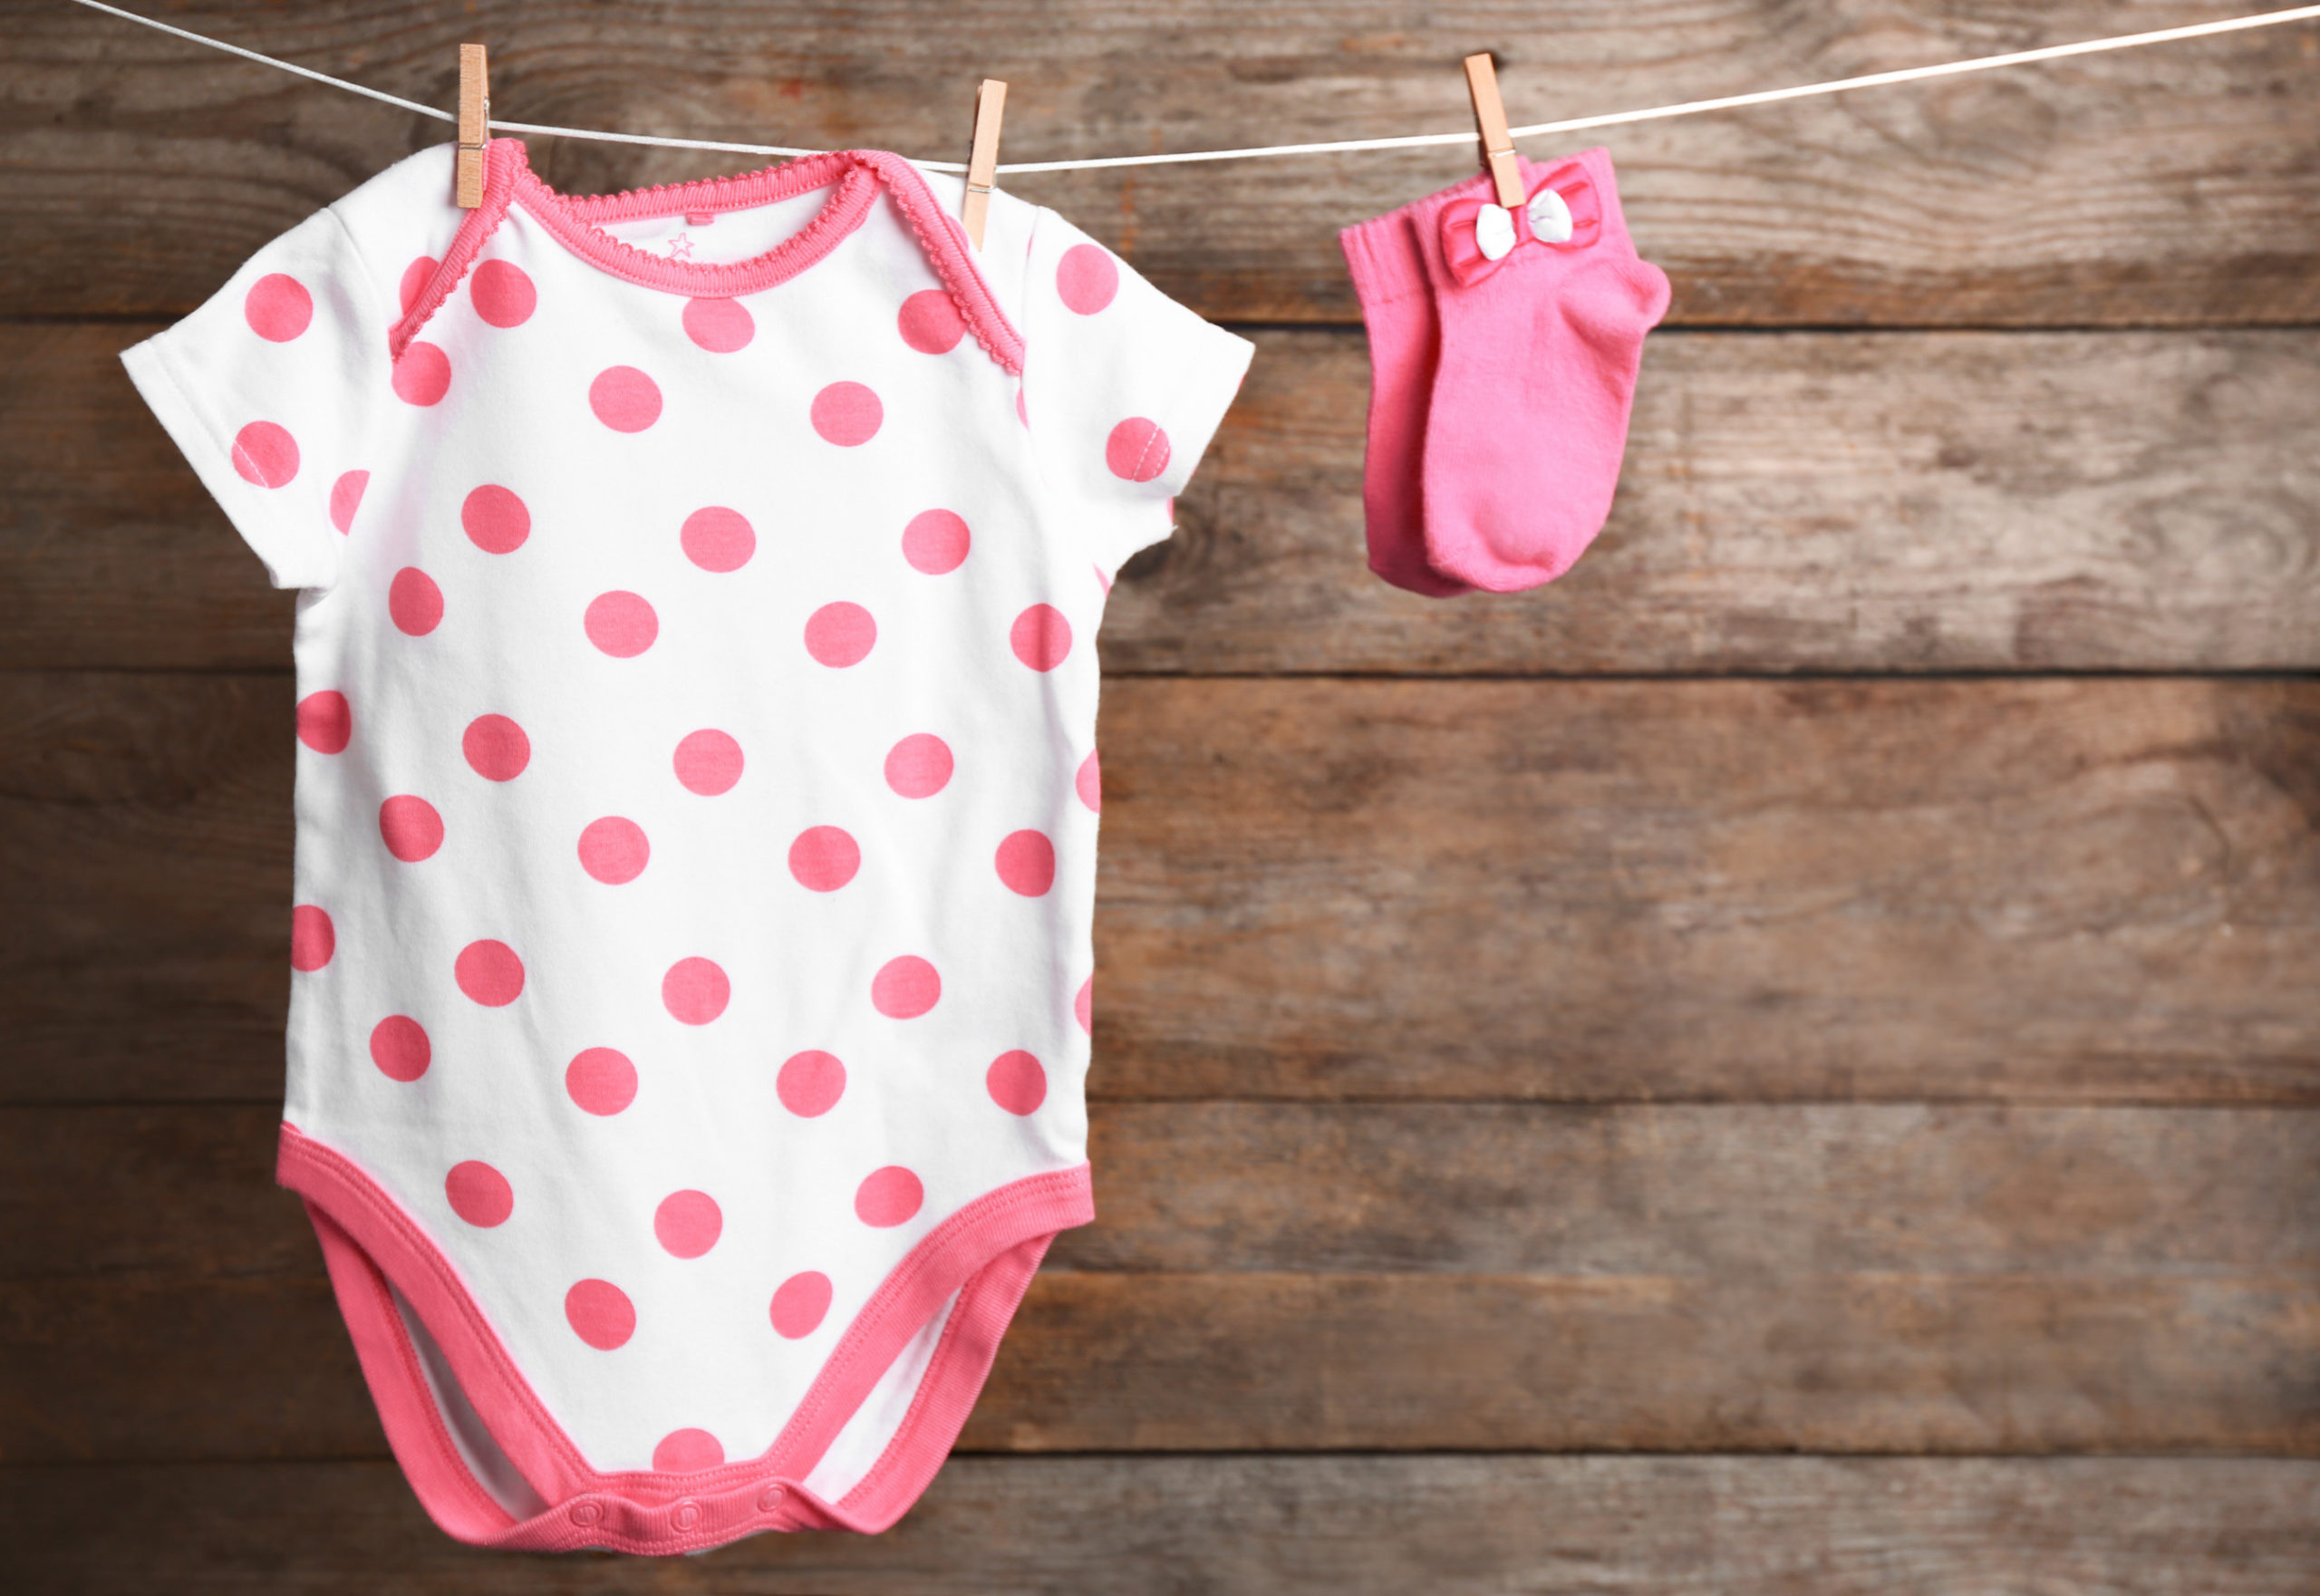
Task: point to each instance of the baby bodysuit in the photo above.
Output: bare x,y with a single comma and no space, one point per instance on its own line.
696,803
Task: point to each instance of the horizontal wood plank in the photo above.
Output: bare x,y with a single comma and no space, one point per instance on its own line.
1730,890
1290,1277
1706,1191
1904,1364
2074,889
1803,503
1911,1363
2166,185
1263,1526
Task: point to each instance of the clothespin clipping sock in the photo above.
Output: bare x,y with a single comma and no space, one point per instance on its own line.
1490,122
474,114
982,162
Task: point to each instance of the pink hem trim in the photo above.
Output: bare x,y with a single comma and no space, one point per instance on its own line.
986,1253
854,176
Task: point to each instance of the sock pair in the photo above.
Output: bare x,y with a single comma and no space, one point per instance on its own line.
1503,351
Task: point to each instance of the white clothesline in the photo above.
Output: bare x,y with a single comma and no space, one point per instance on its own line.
1336,147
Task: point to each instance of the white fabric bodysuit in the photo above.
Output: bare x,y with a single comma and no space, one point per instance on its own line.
696,803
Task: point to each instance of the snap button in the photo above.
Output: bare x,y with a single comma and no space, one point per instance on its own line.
770,1498
1495,231
685,1515
587,1514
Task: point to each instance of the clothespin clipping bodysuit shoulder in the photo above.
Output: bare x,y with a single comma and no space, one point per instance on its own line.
982,161
475,124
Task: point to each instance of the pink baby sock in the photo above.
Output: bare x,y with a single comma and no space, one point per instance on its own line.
1387,263
1541,313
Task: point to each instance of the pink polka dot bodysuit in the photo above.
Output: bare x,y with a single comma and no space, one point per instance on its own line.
696,804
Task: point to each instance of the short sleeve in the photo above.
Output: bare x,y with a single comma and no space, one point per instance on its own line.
268,389
1123,387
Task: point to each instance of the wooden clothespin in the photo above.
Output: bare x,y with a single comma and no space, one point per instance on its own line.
1490,122
982,162
475,115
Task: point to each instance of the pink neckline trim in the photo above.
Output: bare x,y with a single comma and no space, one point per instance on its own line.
854,176
986,1253
578,221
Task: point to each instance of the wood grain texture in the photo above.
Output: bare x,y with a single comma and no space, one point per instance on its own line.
1908,1364
1291,1277
2170,185
1260,1526
1803,503
1995,890
1705,1068
261,1369
1708,1192
1726,890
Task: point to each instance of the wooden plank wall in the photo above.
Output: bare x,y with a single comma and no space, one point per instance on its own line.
1787,1062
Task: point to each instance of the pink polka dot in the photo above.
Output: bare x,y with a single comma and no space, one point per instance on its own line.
719,325
479,1194
325,722
888,1197
313,938
1027,863
415,277
709,762
824,858
810,1083
623,624
414,602
502,293
624,399
848,414
800,1303
695,990
905,988
935,542
346,498
919,766
601,1080
265,454
424,374
614,850
719,539
840,635
496,520
398,1047
1041,637
489,973
687,1452
1016,1082
1089,784
1086,277
931,324
1137,449
1021,414
410,828
600,1314
1104,578
496,748
278,307
1083,1006
687,1224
